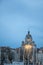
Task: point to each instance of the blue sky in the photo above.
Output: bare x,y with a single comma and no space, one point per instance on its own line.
19,16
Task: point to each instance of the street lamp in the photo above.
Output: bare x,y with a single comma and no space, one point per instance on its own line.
28,48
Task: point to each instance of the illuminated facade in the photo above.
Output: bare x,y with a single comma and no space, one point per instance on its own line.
31,46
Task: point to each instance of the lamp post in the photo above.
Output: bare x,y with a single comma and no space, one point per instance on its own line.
28,48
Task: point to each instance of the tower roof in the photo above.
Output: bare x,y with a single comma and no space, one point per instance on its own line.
28,35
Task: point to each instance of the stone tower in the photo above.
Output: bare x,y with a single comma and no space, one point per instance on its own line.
32,52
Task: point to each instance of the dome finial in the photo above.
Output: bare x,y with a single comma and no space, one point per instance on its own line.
28,32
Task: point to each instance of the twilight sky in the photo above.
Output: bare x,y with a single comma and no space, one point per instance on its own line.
19,16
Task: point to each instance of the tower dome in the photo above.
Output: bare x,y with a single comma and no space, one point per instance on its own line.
28,37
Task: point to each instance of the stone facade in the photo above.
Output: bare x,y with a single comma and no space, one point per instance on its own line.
32,51
40,56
